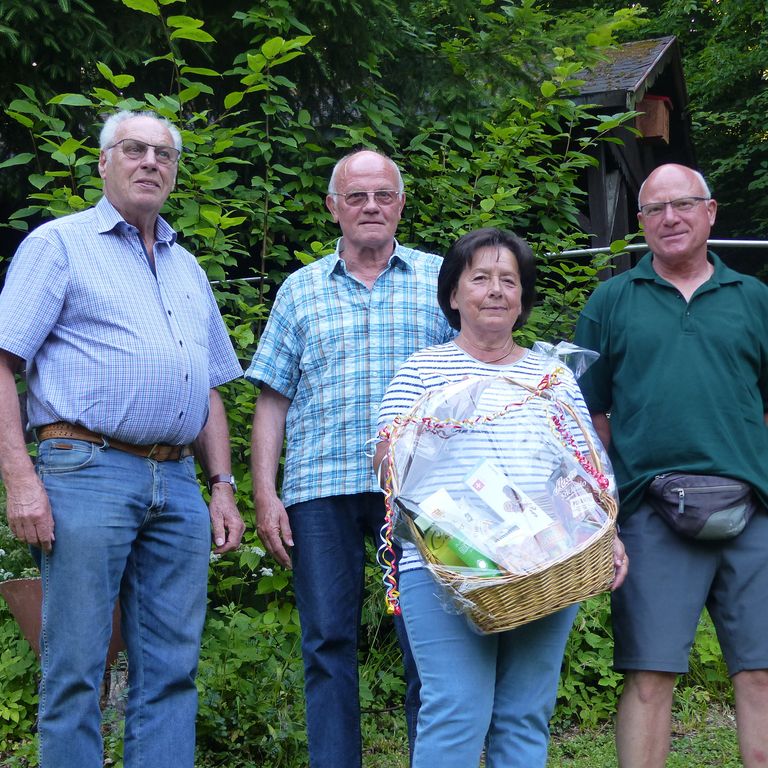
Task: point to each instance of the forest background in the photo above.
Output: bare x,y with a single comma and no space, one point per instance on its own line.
473,100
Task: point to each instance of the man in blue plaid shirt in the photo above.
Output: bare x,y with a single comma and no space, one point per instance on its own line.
337,333
124,347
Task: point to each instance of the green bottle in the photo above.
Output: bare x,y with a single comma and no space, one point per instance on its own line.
450,550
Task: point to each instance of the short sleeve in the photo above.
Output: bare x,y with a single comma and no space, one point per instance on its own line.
33,296
276,362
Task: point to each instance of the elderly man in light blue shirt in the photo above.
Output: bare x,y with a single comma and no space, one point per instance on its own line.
337,333
124,347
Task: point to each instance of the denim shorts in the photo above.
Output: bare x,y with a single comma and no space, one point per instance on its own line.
672,578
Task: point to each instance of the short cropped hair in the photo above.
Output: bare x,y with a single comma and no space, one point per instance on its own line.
109,129
460,257
332,188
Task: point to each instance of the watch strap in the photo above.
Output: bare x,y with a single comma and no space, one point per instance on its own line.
223,478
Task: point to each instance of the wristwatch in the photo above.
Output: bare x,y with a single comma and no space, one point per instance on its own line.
230,479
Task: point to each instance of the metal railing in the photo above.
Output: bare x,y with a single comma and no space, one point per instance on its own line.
644,247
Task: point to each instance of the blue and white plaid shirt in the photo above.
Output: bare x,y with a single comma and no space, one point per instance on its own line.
331,346
108,344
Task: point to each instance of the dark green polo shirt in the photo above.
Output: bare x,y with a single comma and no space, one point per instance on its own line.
686,384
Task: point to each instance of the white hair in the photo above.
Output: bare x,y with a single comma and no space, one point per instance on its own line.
702,181
109,129
344,160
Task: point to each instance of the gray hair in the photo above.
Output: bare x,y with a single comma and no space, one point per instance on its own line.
332,188
702,181
109,129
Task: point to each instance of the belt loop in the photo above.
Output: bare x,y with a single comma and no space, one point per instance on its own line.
152,451
104,442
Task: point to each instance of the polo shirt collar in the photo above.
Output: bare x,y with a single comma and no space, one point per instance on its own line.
108,219
721,276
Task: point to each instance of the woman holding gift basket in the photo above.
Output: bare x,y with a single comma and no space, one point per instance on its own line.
494,473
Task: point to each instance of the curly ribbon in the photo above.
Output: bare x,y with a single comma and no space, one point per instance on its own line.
568,442
385,554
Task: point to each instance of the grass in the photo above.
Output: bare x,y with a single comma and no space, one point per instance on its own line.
708,744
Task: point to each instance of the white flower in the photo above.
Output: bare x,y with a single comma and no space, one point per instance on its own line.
266,571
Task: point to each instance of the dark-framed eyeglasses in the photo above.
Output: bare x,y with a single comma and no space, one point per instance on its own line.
135,150
681,205
380,197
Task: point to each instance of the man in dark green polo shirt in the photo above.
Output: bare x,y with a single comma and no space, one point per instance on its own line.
683,374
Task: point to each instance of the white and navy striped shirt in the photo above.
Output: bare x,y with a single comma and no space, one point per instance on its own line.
523,445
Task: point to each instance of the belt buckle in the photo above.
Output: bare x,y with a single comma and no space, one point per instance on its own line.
163,452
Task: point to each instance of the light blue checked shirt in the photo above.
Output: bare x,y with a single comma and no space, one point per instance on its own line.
108,344
331,346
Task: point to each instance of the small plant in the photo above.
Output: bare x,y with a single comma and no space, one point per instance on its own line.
589,686
18,682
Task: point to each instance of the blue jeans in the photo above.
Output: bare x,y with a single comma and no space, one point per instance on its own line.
498,689
328,578
138,529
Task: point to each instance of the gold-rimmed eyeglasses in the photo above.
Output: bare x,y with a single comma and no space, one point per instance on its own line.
135,150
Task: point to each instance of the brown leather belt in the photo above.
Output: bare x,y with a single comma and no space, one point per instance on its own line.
158,451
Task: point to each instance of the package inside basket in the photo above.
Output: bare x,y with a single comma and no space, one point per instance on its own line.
493,476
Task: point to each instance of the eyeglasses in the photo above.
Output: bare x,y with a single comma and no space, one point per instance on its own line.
681,205
136,150
358,199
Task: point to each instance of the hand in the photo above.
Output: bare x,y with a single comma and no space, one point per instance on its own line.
29,512
226,523
274,529
620,563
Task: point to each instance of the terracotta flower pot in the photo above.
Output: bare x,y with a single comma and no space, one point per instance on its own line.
25,597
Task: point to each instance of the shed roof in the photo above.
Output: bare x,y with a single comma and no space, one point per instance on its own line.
631,69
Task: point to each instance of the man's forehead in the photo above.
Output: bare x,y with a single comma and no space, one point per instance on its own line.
672,178
146,128
367,166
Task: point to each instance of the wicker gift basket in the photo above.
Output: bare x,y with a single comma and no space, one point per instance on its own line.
508,496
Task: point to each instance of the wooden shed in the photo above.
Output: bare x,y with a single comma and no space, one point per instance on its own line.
647,76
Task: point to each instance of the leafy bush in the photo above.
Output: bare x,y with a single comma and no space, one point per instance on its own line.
589,687
250,685
18,665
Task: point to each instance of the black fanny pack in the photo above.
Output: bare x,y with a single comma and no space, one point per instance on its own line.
706,507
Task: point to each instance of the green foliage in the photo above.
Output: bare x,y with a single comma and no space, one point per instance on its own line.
18,665
249,676
589,687
18,682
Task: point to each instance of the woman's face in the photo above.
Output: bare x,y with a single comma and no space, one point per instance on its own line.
488,296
